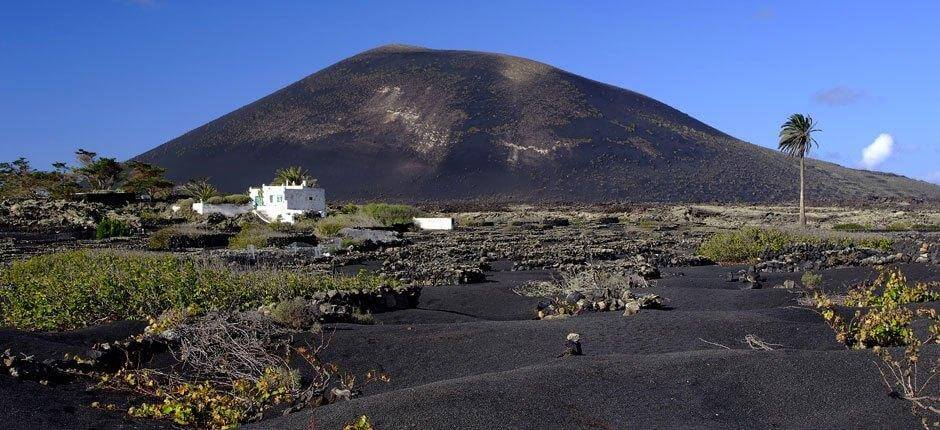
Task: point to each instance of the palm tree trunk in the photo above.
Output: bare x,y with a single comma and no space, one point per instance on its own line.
802,208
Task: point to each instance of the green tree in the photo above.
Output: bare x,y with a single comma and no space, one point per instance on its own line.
294,175
143,178
199,189
98,173
19,180
796,139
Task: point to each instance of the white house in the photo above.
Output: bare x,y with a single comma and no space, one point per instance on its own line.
284,202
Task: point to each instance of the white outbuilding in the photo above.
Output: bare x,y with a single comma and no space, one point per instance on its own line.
284,202
439,223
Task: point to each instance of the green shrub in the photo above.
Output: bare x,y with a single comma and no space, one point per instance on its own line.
257,235
880,243
811,279
186,204
850,226
295,313
237,199
68,290
743,245
349,209
282,227
331,225
891,288
161,240
231,199
204,404
389,214
882,319
364,318
361,423
900,226
110,227
749,243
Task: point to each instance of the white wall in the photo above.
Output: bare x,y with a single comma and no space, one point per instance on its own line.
434,223
228,210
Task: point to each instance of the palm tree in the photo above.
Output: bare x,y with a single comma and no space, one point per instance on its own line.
796,139
294,175
199,189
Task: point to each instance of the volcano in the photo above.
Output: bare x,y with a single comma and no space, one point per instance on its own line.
404,123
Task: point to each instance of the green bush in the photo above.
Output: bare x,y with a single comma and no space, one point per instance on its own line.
110,227
257,235
231,199
900,226
811,280
68,290
331,225
743,245
389,214
295,313
349,209
283,227
749,243
186,204
850,226
882,317
161,240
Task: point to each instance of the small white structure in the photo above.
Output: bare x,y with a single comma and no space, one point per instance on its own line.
283,202
226,209
441,223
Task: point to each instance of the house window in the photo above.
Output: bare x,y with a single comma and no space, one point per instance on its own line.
272,199
310,198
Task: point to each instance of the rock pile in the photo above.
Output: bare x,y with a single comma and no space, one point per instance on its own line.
50,214
806,256
600,300
339,305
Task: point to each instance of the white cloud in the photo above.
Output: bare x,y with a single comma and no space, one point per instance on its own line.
878,151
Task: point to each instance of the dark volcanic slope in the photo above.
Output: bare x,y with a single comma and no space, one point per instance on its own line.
415,124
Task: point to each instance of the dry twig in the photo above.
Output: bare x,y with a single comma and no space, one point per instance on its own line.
755,342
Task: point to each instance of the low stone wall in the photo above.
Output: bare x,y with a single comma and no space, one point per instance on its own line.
384,299
335,306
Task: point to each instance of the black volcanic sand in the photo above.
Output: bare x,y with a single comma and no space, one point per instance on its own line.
31,405
473,357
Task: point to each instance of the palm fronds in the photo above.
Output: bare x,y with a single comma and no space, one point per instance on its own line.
796,135
293,175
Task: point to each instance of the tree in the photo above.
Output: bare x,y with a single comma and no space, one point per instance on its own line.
199,189
85,157
19,180
796,139
294,175
102,174
99,173
143,178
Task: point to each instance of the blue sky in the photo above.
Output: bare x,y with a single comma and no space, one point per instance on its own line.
122,76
